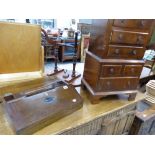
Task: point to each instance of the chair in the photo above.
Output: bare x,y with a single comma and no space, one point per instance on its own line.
67,50
49,45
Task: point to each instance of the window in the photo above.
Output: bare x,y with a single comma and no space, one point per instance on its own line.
45,23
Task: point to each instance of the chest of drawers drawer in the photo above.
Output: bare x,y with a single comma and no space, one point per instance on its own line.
132,70
117,84
133,23
119,36
127,52
111,70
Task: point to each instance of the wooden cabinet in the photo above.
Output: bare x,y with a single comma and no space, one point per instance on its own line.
144,121
118,122
118,125
114,61
67,50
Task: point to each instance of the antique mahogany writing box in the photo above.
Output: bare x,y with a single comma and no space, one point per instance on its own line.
34,109
114,61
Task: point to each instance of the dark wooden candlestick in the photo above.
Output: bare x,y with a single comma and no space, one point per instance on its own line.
56,59
75,55
74,65
69,76
56,69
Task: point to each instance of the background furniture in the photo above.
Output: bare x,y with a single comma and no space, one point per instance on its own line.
84,46
67,49
144,122
90,119
149,60
114,63
50,44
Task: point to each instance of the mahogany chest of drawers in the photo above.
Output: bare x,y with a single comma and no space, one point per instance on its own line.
114,61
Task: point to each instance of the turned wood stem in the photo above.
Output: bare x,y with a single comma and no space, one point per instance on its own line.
56,59
75,55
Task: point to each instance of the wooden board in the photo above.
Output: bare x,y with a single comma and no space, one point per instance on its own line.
32,113
21,84
20,48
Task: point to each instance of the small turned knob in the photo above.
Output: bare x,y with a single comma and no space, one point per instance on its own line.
132,70
139,39
120,37
117,51
142,22
111,70
128,83
108,84
122,21
134,52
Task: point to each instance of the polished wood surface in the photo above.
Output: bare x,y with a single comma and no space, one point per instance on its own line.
20,48
34,111
24,82
125,52
116,50
131,37
133,23
87,113
111,76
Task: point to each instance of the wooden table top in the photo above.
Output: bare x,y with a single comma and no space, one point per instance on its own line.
85,114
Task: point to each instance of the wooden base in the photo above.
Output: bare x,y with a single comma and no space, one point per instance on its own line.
55,72
96,96
74,81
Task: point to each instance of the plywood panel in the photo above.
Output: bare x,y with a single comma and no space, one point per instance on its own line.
20,48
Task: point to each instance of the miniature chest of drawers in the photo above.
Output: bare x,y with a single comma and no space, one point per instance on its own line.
114,61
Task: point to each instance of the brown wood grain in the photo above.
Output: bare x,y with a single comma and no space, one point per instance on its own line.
31,113
115,56
20,48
